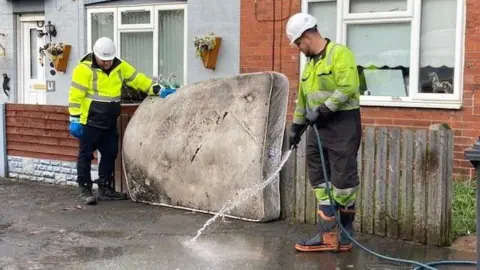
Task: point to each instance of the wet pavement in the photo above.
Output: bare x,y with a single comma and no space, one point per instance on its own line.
41,227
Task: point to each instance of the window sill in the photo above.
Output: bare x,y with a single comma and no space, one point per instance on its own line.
451,105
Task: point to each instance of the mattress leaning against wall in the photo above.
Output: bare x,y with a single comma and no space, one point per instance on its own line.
201,146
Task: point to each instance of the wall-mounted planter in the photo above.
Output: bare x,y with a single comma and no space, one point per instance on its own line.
62,60
209,57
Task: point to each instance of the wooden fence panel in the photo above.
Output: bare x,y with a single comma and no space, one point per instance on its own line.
357,224
433,187
393,169
39,131
380,182
448,189
419,187
287,182
368,184
302,183
405,187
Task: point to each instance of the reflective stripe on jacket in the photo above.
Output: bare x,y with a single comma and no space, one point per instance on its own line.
332,81
95,95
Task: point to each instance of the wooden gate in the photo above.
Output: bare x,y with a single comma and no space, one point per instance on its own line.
122,122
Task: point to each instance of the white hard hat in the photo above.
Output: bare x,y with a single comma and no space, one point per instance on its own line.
299,23
104,49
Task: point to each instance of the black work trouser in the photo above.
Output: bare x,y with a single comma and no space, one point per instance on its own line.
106,142
341,137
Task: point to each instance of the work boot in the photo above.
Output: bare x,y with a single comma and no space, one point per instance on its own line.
87,195
107,193
347,216
327,236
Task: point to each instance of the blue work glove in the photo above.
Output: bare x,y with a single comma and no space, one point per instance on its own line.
167,91
75,128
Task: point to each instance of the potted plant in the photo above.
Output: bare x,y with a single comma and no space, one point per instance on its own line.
58,54
206,48
53,50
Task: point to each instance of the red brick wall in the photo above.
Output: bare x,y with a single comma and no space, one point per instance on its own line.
257,37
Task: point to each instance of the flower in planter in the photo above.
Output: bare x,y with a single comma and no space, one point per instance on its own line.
53,50
204,43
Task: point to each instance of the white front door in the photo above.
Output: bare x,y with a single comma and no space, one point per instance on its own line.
33,77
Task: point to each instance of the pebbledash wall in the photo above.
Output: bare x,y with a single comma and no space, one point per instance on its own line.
261,38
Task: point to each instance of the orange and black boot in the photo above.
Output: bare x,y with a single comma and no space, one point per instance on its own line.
347,216
327,236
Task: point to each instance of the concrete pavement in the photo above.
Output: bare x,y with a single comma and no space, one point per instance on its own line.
46,227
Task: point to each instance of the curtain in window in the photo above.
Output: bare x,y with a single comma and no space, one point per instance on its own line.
380,44
136,17
137,50
437,40
102,26
171,43
326,14
437,46
383,50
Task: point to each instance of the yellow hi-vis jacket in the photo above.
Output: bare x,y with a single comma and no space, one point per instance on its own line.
332,81
95,95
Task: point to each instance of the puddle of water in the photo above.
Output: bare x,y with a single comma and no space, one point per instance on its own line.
227,248
242,196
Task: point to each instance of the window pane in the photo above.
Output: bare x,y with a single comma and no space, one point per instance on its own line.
437,46
171,44
326,14
102,26
137,49
382,52
367,6
34,54
136,17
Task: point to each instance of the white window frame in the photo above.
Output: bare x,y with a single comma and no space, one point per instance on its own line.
412,15
135,26
152,26
91,11
376,15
